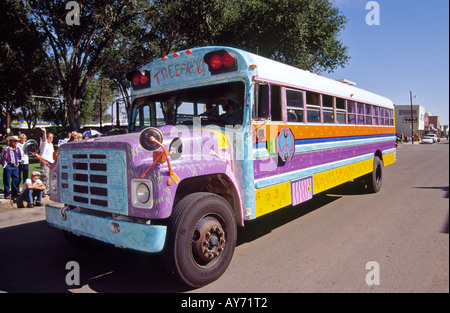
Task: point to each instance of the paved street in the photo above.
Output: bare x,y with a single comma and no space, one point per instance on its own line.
320,246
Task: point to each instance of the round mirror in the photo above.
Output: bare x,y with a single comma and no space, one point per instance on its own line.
176,148
144,139
30,147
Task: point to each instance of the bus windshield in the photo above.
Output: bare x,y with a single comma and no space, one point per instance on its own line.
214,104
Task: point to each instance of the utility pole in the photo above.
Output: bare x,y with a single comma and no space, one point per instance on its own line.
8,129
101,103
412,118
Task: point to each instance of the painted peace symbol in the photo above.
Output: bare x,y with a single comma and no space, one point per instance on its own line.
286,144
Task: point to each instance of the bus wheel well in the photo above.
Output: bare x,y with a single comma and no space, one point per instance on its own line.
379,154
219,184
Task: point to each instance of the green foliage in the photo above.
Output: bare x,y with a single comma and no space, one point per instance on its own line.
116,36
302,33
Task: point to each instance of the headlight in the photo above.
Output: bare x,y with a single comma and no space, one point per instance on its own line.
142,193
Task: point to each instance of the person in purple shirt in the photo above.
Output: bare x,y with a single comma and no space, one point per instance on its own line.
11,158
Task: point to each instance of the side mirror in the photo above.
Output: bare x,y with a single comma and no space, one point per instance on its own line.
144,138
30,147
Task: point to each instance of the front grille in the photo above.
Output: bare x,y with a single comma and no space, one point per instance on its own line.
94,180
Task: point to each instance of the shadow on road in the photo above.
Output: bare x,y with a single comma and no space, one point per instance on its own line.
437,188
34,256
264,225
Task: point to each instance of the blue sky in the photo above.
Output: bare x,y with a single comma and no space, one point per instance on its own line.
408,51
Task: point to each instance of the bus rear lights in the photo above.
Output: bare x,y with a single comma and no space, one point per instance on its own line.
216,61
220,61
139,79
227,60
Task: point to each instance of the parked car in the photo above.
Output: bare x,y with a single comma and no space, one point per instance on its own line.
428,139
435,137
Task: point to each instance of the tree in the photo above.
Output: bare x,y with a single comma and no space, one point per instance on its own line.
23,69
302,33
91,100
133,46
116,36
74,38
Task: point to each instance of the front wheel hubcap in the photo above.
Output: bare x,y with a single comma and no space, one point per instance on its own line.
208,240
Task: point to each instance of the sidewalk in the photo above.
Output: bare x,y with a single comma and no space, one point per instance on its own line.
8,205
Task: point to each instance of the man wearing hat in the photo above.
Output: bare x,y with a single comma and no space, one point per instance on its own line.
11,158
33,187
233,111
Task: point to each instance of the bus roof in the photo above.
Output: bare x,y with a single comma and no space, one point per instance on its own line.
276,72
189,69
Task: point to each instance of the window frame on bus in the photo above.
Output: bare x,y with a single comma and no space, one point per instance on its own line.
272,98
293,109
313,107
328,110
340,111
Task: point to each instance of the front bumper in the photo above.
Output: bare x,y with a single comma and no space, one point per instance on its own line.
141,237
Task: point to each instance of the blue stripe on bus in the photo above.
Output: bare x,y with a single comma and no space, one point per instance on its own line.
262,144
309,145
281,178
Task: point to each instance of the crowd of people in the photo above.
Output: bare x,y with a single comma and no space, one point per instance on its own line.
15,163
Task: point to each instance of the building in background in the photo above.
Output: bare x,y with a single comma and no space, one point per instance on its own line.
434,125
403,120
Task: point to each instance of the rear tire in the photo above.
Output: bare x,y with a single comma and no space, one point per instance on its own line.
201,239
372,182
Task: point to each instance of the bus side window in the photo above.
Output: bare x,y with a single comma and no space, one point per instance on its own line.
375,115
368,114
387,117
340,111
360,112
381,116
276,111
295,106
328,112
269,110
312,107
351,110
262,102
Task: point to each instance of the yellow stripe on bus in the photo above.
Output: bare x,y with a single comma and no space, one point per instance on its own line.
388,159
272,198
332,178
279,196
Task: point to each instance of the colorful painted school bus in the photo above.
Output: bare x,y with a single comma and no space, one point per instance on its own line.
217,136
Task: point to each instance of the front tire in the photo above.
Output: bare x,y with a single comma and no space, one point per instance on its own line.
202,238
